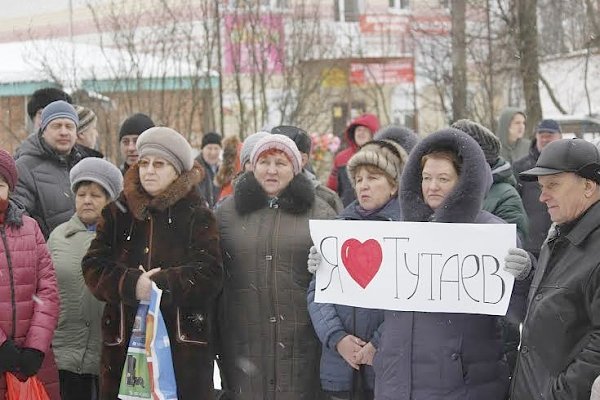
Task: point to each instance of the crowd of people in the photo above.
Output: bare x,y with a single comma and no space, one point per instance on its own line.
225,236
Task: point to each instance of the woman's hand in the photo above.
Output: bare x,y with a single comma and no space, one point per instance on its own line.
143,287
348,348
314,260
366,354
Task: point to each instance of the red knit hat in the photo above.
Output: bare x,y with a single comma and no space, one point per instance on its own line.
8,169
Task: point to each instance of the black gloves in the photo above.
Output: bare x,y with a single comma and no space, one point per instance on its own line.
31,361
22,362
10,356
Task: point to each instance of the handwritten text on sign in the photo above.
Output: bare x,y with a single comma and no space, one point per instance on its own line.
414,266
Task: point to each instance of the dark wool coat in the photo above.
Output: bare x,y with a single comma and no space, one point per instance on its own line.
435,356
333,322
560,348
539,219
269,349
26,270
173,231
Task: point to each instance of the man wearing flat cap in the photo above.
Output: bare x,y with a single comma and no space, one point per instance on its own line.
559,356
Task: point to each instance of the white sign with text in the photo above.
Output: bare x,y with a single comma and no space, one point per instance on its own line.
414,266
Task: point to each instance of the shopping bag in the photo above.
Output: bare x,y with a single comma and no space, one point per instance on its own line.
135,382
158,351
148,371
31,389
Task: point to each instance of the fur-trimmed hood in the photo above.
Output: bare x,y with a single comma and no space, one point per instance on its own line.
140,202
297,198
464,203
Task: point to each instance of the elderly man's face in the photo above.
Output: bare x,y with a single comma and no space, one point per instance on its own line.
565,196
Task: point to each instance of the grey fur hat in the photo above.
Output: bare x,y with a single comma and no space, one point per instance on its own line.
99,171
166,143
386,155
405,137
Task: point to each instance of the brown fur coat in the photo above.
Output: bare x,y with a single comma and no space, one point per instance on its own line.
173,231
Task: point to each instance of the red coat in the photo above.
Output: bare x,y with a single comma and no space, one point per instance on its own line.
29,302
338,181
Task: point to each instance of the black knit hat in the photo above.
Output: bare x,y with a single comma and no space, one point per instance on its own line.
211,138
299,136
135,125
489,143
42,97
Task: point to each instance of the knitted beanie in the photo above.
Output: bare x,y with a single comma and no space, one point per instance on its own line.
166,143
86,118
387,155
299,136
403,136
135,125
100,171
58,109
489,143
8,169
210,138
248,146
281,143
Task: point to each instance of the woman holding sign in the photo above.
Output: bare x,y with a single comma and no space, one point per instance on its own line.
350,335
442,355
158,230
269,349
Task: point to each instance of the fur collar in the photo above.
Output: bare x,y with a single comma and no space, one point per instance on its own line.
140,202
297,198
464,203
14,215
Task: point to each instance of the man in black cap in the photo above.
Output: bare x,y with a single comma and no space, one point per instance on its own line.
304,144
547,131
130,129
40,99
209,158
560,344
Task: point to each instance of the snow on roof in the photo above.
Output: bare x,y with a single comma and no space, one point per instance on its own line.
70,63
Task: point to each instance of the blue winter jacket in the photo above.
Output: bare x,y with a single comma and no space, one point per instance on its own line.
333,322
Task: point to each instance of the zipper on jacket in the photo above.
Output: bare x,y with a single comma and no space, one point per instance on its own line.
149,260
12,281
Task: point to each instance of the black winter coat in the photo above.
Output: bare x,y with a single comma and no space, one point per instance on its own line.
560,346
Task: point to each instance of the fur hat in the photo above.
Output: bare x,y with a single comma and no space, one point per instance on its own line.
281,143
42,97
99,171
8,169
210,138
403,136
299,136
386,155
168,144
489,143
58,109
86,118
135,125
248,146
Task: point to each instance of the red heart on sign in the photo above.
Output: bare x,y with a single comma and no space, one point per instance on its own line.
362,260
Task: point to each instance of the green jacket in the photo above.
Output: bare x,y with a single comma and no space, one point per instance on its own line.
77,339
503,200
